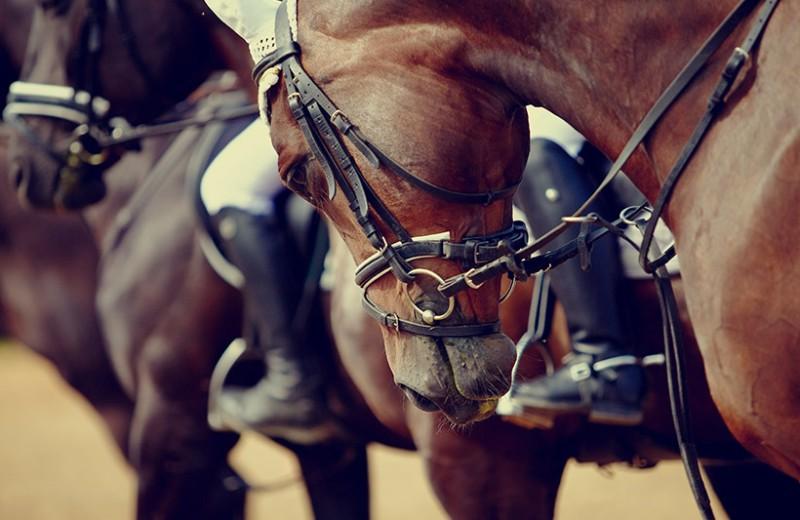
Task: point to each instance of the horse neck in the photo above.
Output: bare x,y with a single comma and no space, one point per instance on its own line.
123,180
601,65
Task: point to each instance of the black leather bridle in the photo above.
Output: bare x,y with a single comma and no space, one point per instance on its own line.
323,124
317,116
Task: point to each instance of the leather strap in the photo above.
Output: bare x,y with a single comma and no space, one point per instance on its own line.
716,103
392,321
664,102
275,57
470,252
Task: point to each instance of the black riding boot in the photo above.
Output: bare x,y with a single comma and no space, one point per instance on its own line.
598,378
289,401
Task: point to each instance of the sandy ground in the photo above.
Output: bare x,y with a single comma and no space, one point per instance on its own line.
57,462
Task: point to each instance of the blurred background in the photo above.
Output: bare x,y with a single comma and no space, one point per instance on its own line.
58,462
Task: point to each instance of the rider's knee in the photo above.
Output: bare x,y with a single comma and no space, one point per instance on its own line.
547,162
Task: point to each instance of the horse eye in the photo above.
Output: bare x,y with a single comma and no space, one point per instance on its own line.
306,181
297,180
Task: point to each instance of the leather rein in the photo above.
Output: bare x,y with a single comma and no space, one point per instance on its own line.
317,117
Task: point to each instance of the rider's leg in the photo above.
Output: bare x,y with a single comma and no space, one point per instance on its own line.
555,184
240,191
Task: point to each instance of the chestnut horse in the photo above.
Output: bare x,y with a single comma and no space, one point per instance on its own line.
441,88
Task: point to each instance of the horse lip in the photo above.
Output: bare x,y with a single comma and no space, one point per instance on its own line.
481,365
473,412
20,173
458,409
420,401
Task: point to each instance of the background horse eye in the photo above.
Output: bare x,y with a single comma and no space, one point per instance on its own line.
58,6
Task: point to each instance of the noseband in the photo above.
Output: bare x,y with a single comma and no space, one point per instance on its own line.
322,123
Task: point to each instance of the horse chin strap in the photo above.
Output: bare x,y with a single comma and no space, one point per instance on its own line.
323,124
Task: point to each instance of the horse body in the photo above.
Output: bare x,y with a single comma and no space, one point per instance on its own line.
47,288
166,315
731,213
460,73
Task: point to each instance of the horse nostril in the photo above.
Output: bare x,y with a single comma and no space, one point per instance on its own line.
17,173
420,401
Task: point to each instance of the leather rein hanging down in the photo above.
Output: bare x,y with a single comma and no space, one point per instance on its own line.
317,115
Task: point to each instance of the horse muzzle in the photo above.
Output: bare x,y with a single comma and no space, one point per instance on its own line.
461,377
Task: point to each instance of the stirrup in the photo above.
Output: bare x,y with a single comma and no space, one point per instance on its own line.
236,352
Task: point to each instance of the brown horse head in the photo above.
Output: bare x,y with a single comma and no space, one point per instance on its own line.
141,58
417,98
427,80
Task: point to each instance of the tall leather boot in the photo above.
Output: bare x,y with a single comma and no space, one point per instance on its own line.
599,378
289,401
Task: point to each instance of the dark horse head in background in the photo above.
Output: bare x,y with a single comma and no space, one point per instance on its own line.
94,49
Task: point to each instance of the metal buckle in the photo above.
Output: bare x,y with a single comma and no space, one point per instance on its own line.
743,53
392,320
616,362
469,282
475,245
582,219
295,100
580,372
628,215
509,290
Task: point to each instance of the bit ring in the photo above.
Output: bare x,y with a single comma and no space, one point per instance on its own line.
509,290
427,315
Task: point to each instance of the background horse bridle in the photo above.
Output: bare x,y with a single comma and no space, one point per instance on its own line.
317,116
96,136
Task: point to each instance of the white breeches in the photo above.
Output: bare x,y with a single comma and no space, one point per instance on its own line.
244,175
